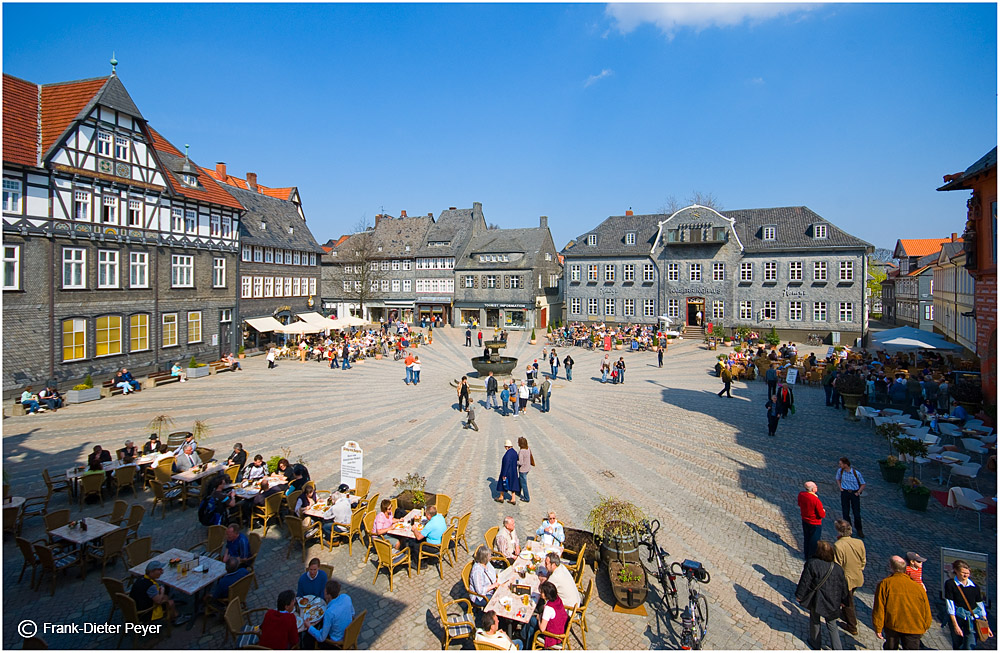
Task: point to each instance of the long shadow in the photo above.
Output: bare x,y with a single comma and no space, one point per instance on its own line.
778,617
772,537
784,586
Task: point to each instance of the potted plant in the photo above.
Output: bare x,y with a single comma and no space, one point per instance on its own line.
618,343
196,370
412,492
912,449
772,339
242,352
615,523
915,494
892,469
969,395
201,430
656,343
161,423
852,388
83,392
532,341
628,582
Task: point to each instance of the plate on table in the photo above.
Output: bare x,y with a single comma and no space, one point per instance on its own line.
506,603
303,602
525,555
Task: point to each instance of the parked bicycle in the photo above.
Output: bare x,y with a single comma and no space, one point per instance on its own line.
815,339
656,566
694,617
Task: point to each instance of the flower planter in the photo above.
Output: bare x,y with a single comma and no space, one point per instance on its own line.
404,500
632,594
851,404
893,474
242,356
198,372
916,500
576,538
618,347
532,342
82,396
378,357
620,547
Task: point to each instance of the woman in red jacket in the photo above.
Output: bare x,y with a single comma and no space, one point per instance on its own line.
280,630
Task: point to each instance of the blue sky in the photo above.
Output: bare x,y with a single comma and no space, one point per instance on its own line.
572,111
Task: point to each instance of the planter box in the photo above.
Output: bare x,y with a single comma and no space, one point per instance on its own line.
198,372
892,474
404,500
81,396
916,500
632,594
576,538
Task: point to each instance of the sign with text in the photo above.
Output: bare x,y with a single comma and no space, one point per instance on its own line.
792,376
351,462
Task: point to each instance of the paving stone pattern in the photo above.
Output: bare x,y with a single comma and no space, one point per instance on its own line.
724,491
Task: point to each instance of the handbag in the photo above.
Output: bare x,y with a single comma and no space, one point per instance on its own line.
807,602
532,457
982,626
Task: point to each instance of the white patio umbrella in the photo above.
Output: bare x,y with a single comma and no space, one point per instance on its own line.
299,328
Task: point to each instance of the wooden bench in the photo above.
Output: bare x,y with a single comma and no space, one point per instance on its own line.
109,389
218,366
160,378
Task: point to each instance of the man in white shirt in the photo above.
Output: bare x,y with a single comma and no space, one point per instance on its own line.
341,511
507,542
551,531
495,637
563,580
188,441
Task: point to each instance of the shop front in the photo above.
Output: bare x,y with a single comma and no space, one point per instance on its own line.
399,310
504,316
433,310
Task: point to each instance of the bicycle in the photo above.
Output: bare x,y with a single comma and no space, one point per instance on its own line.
814,339
398,355
694,618
661,570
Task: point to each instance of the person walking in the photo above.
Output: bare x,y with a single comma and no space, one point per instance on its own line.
771,376
901,613
468,336
773,415
416,370
960,595
605,368
785,399
554,364
470,417
822,590
504,398
851,484
491,391
345,357
480,337
849,553
727,381
525,461
463,394
409,367
812,512
659,357
545,391
568,364
271,354
508,479
620,366
514,396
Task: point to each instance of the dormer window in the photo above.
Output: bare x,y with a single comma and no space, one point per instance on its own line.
592,240
769,232
819,231
291,230
630,238
407,248
380,248
263,225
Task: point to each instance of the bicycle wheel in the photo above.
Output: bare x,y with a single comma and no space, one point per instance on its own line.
670,590
701,621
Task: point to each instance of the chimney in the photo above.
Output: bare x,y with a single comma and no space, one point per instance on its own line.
629,212
402,214
220,170
477,206
430,215
378,218
452,208
543,221
252,181
954,237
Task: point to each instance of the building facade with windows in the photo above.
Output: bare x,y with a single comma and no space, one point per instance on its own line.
279,262
914,285
434,266
954,297
509,278
118,251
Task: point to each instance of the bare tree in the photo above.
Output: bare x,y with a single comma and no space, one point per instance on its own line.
359,270
670,205
882,254
705,199
492,225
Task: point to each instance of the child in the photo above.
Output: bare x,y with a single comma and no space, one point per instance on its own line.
470,416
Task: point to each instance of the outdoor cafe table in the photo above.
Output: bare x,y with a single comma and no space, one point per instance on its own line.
190,583
505,602
308,607
196,474
96,529
13,502
74,474
404,528
943,460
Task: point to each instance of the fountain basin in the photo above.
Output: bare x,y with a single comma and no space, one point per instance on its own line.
499,365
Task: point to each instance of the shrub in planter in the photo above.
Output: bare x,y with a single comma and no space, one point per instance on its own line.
772,338
893,471
718,331
414,485
915,494
890,432
615,523
532,336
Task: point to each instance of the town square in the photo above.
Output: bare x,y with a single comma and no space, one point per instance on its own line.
499,327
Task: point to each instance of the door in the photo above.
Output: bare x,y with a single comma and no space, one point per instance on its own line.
695,305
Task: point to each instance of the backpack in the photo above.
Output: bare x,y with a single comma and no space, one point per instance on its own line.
207,514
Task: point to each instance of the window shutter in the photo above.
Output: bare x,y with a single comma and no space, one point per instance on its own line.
506,281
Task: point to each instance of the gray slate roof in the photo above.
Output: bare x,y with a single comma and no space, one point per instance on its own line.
794,230
115,96
611,236
455,226
394,234
987,161
528,241
279,216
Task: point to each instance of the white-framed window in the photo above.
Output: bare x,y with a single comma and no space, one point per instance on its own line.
746,271
592,272
219,273
74,339
470,281
269,286
673,308
288,286
247,254
107,268
81,205
592,240
134,213
104,143
847,270
795,311
490,281
269,255
673,271
395,263
694,272
630,238
121,148
296,258
74,260
628,307
819,231
628,272
574,305
718,271
648,272
929,312
177,220
846,312
246,287
258,254
297,286
407,263
288,257
515,281
770,270
770,311
395,285
194,326
258,287
11,267
609,305
769,232
592,306
107,335
648,308
373,286
385,265
214,228
12,195
109,209
384,284
347,286
138,332
819,271
795,270
574,273
746,310
312,259
819,311
181,271
718,309
227,226
407,284
279,287
190,221
168,329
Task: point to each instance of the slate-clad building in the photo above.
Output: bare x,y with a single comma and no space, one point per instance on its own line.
434,263
279,266
118,251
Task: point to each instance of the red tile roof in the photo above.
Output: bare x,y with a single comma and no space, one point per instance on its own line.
277,193
162,144
20,121
923,246
210,190
62,103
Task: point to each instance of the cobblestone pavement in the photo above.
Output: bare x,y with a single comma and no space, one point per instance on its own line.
704,466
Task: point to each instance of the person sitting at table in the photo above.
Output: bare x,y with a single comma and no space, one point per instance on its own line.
482,578
128,453
285,469
958,411
341,520
258,499
189,441
385,521
217,501
280,629
307,499
237,457
237,545
551,531
30,401
492,636
148,592
299,479
506,541
338,615
558,575
431,532
188,459
256,470
51,397
98,456
233,573
554,617
312,581
152,445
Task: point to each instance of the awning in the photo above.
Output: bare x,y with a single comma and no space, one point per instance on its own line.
907,338
264,324
315,319
299,328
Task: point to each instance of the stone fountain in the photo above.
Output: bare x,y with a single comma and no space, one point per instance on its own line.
499,365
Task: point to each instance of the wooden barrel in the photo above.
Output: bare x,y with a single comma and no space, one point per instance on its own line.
631,595
619,547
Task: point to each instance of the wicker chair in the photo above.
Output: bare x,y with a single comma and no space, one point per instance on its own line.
466,576
580,618
132,615
55,519
389,560
139,551
369,523
461,524
299,533
491,538
540,635
51,562
91,484
124,478
117,513
350,641
213,543
439,552
270,510
455,626
233,471
239,626
134,521
56,486
361,488
35,506
113,586
110,549
443,504
237,592
164,496
29,558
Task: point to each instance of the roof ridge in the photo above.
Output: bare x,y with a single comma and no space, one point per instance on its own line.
21,79
75,81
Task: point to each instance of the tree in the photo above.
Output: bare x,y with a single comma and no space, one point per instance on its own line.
358,271
882,254
705,199
876,275
670,205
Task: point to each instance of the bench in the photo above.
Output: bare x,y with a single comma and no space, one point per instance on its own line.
160,378
218,366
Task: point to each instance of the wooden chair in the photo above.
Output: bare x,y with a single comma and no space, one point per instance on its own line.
437,552
132,615
371,505
213,543
239,626
29,557
540,635
55,519
117,513
113,586
299,533
483,646
443,504
237,592
162,472
110,549
461,625
491,538
576,567
233,471
290,502
461,524
134,521
361,488
164,496
56,486
51,562
270,510
12,520
139,551
389,560
580,618
350,641
205,454
124,478
90,485
466,575
327,569
255,542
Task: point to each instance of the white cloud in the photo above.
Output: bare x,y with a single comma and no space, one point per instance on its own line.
607,72
757,81
672,17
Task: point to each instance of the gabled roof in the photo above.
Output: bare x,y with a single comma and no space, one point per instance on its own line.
960,181
172,160
454,226
63,103
611,236
919,271
393,235
794,230
907,247
277,193
950,251
528,241
279,216
20,121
